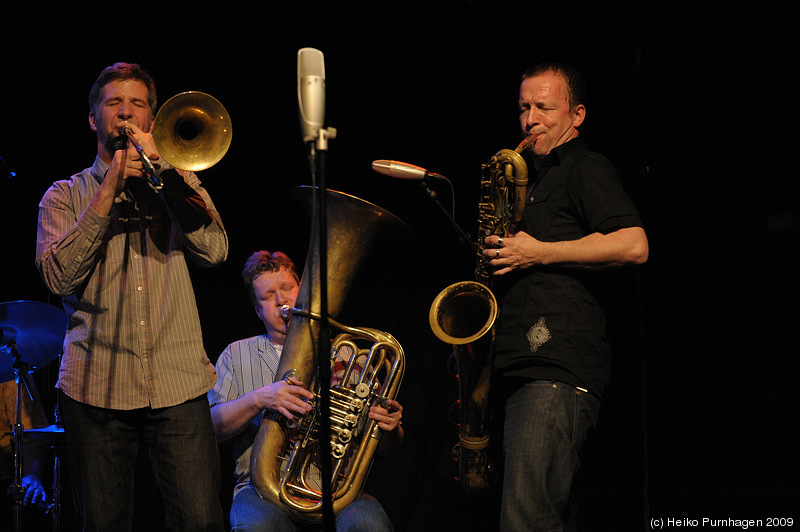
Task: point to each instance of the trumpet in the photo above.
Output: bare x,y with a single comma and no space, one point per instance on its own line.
153,178
192,131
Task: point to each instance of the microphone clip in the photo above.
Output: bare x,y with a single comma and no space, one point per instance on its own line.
322,138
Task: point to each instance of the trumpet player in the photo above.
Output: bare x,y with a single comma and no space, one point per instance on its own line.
552,358
247,389
134,372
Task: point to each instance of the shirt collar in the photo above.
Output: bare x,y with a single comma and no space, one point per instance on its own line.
561,152
99,169
558,154
270,352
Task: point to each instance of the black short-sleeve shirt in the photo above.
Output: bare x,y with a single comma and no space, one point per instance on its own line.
551,325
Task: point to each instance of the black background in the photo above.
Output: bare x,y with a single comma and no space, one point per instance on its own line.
693,104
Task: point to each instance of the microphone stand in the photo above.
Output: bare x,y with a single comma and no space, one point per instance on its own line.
463,237
317,156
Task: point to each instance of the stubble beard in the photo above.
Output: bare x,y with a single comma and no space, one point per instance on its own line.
115,141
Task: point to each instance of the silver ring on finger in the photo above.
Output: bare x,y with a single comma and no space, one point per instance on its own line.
500,241
497,253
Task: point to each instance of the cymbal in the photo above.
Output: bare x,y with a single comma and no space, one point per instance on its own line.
54,435
36,330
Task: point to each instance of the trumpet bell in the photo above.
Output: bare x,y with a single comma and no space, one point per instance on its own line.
192,131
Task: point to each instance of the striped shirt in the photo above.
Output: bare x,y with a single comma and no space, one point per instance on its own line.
133,339
244,366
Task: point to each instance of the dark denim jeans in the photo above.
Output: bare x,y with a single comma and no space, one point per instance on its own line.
251,513
102,446
546,425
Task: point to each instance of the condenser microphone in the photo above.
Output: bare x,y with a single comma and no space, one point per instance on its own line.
311,91
403,170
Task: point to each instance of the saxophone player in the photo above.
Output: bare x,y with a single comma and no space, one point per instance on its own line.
552,358
247,388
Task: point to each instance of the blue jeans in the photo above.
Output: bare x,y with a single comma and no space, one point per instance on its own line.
251,513
546,425
102,446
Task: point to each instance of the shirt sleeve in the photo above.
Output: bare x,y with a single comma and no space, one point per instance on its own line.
67,240
206,245
599,197
225,389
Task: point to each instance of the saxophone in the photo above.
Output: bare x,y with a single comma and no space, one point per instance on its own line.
285,460
464,314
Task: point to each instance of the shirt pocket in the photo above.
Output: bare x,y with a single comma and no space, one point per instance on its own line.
540,211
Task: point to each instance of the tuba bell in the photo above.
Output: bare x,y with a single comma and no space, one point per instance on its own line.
284,460
464,314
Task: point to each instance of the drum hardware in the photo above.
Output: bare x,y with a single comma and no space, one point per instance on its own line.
31,336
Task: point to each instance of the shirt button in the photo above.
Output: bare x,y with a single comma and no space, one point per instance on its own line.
135,255
141,323
140,288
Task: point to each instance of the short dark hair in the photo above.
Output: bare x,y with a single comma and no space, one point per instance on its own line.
122,71
263,261
576,88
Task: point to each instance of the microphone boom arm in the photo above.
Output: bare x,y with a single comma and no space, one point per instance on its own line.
416,173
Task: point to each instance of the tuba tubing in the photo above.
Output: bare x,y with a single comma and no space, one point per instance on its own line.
353,226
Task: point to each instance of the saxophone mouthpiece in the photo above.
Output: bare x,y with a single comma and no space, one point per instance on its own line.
526,143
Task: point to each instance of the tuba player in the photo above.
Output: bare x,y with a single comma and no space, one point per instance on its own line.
247,389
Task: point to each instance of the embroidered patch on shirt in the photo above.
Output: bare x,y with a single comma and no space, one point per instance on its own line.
538,335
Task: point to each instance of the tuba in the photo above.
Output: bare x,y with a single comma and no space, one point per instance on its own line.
464,314
285,457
